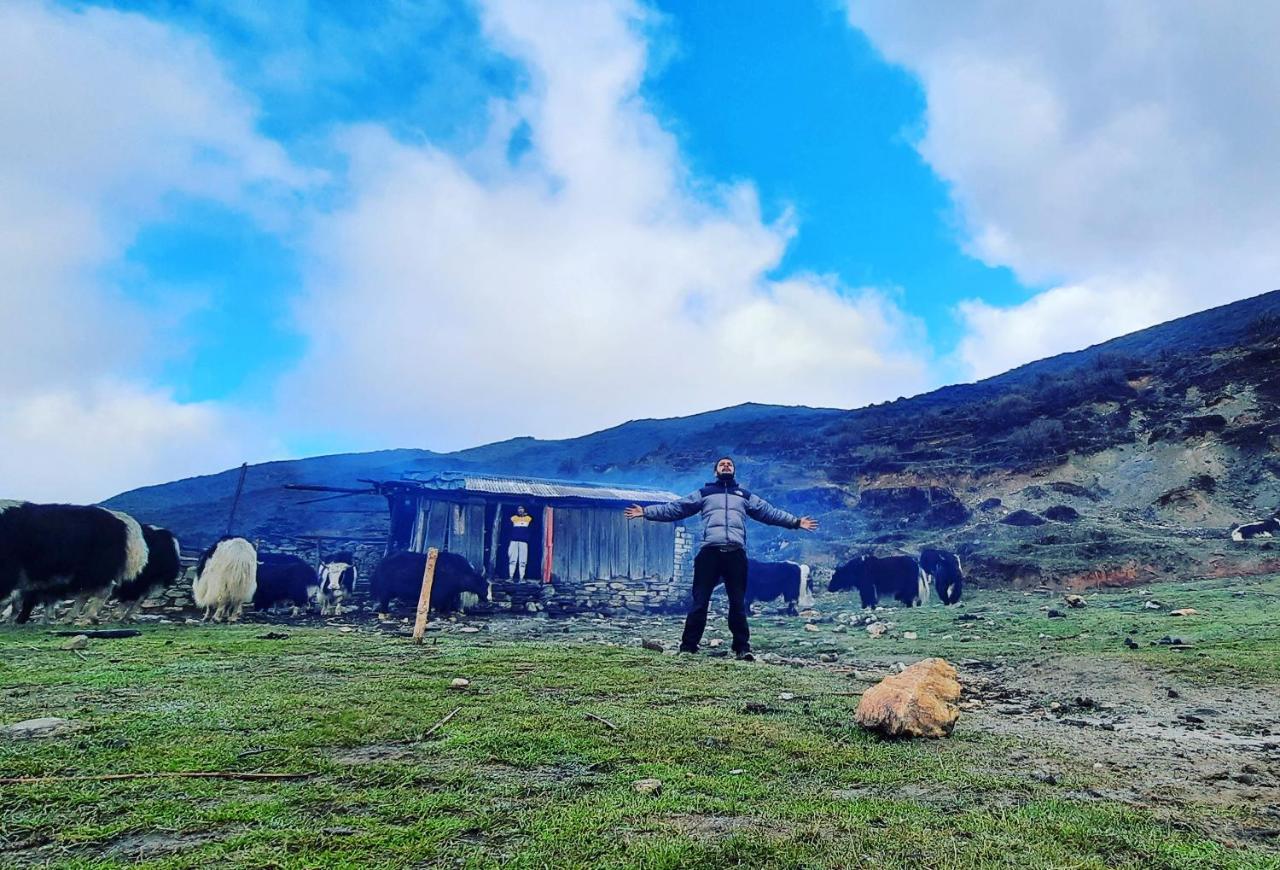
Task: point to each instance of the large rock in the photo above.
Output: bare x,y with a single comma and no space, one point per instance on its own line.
919,702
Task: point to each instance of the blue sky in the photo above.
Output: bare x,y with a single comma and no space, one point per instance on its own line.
785,96
251,231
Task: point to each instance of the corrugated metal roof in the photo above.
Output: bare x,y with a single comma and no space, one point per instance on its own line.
495,484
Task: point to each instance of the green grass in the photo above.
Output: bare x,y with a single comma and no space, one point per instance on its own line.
1235,636
523,777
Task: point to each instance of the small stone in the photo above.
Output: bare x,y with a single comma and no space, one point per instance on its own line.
647,786
715,642
1183,611
1074,601
1054,613
79,642
910,635
828,658
809,626
653,645
459,683
877,629
809,614
737,771
1098,765
786,696
468,629
346,629
1151,605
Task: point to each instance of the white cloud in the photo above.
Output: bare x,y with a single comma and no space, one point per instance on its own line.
86,443
105,115
1122,153
459,299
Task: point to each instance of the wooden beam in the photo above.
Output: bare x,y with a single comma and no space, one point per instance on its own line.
424,598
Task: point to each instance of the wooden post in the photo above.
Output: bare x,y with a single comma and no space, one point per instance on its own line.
549,541
424,599
235,501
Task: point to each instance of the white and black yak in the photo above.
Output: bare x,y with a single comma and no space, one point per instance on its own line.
226,578
337,581
285,579
164,566
1264,529
456,585
789,581
944,569
51,552
874,576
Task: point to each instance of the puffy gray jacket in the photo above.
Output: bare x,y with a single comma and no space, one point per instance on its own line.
724,508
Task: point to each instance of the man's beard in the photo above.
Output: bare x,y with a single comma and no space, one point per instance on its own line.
724,476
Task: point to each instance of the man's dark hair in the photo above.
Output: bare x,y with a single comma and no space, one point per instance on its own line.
715,466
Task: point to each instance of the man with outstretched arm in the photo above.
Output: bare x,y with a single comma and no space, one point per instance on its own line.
724,506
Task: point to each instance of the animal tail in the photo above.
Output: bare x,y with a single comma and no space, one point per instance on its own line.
922,586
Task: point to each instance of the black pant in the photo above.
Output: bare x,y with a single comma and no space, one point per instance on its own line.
710,566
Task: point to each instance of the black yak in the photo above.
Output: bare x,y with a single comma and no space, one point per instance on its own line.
944,569
164,566
786,580
873,576
226,578
51,552
285,579
456,585
1264,529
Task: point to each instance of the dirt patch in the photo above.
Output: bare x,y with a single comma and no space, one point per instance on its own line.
1122,576
699,827
152,845
376,753
1143,736
544,776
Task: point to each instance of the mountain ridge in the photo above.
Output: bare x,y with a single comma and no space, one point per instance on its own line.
1089,419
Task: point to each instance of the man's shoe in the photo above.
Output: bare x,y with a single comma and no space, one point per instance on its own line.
744,656
688,651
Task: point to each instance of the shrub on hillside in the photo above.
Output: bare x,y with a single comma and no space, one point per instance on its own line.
1038,438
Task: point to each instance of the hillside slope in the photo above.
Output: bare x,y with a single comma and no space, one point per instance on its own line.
1126,461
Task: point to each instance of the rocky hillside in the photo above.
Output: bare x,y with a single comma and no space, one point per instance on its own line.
1120,463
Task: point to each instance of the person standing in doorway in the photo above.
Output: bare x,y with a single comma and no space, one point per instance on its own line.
725,507
518,549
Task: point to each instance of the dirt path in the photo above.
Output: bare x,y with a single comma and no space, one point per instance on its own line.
1150,739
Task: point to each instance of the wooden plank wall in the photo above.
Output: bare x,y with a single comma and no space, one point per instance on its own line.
591,543
595,544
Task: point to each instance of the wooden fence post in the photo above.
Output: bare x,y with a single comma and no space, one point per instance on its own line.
424,599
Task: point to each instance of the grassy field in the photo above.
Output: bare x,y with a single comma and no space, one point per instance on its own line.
524,776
